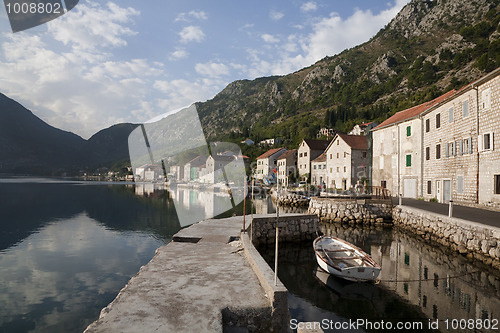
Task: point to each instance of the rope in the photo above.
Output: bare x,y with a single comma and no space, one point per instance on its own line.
426,280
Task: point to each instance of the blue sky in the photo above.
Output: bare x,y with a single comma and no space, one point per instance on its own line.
129,61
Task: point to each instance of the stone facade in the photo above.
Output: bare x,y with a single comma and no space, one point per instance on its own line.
292,228
309,150
318,170
287,166
267,162
475,240
339,210
346,161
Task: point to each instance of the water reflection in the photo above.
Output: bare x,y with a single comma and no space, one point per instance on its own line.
66,249
419,283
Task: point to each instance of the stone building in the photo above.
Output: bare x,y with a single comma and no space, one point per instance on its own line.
318,170
397,151
462,159
287,166
267,162
346,161
308,150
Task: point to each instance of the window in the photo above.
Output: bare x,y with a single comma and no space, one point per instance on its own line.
383,184
345,168
300,155
338,142
408,130
485,141
330,156
427,125
345,154
364,154
450,115
438,120
429,187
497,184
330,170
314,167
438,151
305,154
338,155
338,169
465,108
486,99
408,160
427,153
460,184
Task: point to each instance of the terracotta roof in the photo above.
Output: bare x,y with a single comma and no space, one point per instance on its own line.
320,158
317,144
269,153
355,141
287,153
414,111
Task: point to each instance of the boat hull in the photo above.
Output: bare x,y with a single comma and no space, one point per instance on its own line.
366,270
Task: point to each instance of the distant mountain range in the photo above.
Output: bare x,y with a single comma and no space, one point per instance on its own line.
28,145
430,47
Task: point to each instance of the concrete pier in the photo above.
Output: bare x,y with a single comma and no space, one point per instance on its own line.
199,282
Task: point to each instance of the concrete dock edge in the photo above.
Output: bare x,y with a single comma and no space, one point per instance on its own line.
277,294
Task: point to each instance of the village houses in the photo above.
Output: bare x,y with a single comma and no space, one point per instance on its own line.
397,151
445,149
318,170
346,161
309,150
267,162
287,166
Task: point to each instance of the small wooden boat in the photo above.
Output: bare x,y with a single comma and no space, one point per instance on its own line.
344,260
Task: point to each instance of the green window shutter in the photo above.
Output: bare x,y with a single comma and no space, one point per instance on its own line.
408,160
408,131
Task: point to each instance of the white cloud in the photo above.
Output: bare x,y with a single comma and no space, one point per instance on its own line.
212,69
104,26
178,54
269,38
191,33
310,6
194,14
275,15
329,36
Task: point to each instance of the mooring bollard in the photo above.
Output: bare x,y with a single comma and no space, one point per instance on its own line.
450,209
400,199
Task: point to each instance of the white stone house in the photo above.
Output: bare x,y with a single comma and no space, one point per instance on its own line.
318,170
287,166
193,168
309,150
214,167
267,162
397,151
148,173
346,161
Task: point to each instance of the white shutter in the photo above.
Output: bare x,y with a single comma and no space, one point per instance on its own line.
480,143
492,141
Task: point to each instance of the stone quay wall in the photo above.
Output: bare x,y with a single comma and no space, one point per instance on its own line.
292,228
352,210
291,199
474,240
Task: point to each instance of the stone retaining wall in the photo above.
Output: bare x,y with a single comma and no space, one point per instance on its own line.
472,239
292,228
355,211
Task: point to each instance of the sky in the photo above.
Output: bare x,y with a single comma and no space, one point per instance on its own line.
106,62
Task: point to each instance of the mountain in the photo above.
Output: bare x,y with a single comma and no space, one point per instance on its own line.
28,145
428,48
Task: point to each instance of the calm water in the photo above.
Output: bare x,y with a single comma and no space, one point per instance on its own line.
420,283
66,249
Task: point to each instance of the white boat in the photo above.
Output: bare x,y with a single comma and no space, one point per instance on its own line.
342,259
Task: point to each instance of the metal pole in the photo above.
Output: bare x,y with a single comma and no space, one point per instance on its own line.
251,204
244,201
450,209
400,199
277,231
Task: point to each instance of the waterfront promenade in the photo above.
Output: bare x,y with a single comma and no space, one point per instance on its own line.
199,283
484,216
